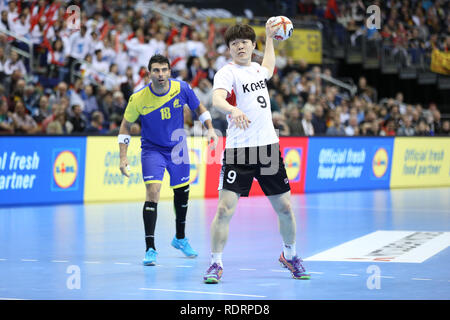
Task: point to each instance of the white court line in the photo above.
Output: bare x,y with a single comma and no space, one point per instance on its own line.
387,277
123,263
313,272
349,274
243,269
3,259
203,292
29,260
11,299
276,270
373,209
421,279
60,261
92,262
183,266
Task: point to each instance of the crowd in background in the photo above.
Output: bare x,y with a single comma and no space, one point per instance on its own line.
82,78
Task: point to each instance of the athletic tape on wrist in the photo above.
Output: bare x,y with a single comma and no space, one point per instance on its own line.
124,138
204,116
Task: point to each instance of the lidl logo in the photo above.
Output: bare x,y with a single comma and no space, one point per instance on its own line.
380,162
292,161
65,169
194,160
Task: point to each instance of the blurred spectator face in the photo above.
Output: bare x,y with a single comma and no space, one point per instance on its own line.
88,90
62,88
436,116
362,82
353,122
76,108
19,108
375,126
14,56
318,111
446,126
407,122
422,126
307,115
3,107
43,103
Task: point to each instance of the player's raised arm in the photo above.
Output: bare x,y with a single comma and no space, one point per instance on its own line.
219,100
269,51
124,139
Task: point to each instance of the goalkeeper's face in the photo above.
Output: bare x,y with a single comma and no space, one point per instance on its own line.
159,74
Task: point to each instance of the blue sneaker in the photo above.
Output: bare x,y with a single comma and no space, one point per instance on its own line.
150,257
184,246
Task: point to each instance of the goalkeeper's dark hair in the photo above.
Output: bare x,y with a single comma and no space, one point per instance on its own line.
239,31
158,58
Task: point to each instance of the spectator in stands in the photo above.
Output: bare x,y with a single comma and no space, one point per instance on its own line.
78,120
422,128
3,59
23,122
406,128
365,91
318,121
42,111
436,122
445,129
279,123
352,128
335,127
90,101
96,124
4,24
294,121
59,123
307,125
388,129
6,121
57,61
14,63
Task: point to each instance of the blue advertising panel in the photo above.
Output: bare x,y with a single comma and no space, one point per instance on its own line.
344,163
41,170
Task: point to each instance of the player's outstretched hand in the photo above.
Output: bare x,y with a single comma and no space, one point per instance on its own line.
213,139
271,29
124,167
240,119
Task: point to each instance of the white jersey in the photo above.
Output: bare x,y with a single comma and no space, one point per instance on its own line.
247,90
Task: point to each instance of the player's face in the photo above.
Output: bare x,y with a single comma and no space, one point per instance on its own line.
159,74
241,51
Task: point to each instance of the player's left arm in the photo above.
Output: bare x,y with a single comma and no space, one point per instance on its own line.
269,50
205,117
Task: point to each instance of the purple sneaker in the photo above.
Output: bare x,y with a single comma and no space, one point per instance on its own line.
213,274
295,267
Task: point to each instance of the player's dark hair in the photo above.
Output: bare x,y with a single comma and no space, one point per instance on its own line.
158,58
239,31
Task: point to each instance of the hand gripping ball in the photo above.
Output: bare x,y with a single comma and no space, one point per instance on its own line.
286,27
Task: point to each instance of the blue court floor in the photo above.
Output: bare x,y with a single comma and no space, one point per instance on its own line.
371,245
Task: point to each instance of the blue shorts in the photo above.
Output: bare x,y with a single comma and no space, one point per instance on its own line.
155,160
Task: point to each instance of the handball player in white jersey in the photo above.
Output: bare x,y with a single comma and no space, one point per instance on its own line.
252,147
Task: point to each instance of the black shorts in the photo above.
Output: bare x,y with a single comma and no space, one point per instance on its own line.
242,165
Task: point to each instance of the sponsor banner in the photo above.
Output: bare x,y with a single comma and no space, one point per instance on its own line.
388,246
104,181
421,162
41,170
348,164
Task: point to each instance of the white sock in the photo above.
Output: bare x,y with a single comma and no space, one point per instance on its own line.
217,258
289,251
